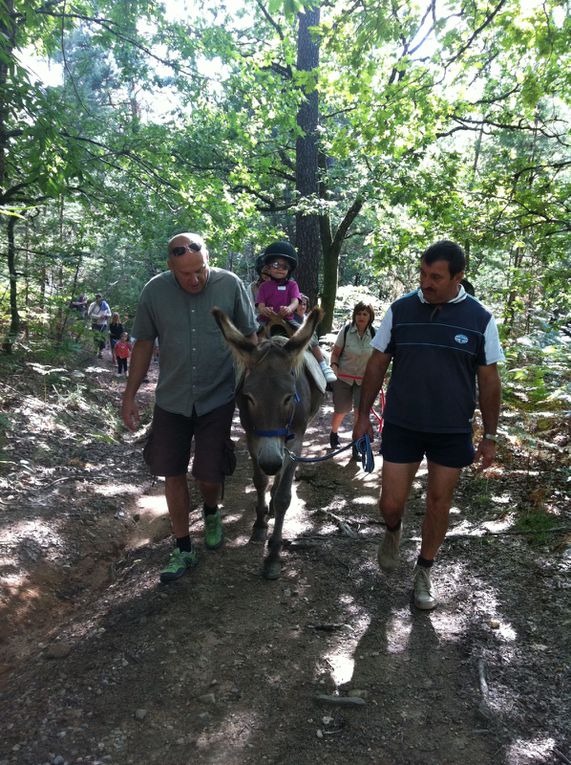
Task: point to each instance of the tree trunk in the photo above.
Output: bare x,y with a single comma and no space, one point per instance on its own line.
306,167
7,30
331,252
14,315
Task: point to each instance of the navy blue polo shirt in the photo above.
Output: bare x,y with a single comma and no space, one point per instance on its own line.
436,351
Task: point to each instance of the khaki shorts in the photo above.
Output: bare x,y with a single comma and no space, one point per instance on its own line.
167,451
345,397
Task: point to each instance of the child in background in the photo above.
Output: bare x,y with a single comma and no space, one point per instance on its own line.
301,310
263,276
115,331
122,353
281,296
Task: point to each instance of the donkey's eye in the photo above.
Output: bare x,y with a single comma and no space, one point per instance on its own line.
249,399
288,399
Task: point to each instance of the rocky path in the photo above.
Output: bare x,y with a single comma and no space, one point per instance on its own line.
330,664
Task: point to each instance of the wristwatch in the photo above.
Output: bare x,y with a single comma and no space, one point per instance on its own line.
491,437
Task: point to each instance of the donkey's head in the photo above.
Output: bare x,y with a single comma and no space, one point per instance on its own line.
268,389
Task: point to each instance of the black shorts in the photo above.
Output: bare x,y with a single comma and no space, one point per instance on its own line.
454,450
167,451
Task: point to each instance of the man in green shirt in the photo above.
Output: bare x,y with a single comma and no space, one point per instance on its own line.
195,391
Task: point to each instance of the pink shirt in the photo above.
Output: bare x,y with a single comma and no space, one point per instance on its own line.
122,350
275,295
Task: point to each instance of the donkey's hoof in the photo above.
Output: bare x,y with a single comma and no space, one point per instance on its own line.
259,535
271,570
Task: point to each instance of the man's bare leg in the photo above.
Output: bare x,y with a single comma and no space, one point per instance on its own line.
441,484
210,492
397,479
440,490
178,503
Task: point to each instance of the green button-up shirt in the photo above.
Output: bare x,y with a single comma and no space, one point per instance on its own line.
196,366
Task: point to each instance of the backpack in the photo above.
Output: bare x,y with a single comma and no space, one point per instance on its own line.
346,329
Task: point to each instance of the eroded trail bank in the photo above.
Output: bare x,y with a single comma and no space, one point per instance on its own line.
102,665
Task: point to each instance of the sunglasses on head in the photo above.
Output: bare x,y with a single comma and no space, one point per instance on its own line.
178,251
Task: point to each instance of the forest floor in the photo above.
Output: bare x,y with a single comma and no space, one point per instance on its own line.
99,664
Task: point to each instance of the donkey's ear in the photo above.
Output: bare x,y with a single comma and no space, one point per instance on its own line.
241,347
304,334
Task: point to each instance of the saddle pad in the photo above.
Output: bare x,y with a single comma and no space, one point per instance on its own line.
311,364
314,371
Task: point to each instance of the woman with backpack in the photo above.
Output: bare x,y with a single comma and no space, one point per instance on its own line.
349,358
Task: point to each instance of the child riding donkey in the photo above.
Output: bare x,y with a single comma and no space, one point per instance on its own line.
278,298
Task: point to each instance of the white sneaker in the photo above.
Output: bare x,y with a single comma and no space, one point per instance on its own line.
328,373
424,590
388,554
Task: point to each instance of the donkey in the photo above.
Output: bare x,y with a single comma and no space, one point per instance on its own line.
277,396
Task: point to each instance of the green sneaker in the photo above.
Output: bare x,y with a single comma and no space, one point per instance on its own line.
179,562
213,531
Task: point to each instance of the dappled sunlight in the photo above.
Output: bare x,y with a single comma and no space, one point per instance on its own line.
152,505
533,752
368,479
367,500
486,605
36,532
341,656
448,625
231,734
115,489
398,629
297,520
342,665
12,581
480,529
314,448
238,540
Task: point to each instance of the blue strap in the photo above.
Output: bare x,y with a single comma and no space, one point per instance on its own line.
281,432
362,444
364,448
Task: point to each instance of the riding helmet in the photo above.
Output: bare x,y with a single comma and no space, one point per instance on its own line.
281,249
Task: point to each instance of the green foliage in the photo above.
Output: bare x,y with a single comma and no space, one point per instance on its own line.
477,492
4,428
537,524
537,369
445,125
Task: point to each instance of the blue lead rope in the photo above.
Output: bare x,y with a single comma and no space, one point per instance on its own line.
363,445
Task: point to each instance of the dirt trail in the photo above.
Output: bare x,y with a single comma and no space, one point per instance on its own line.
103,665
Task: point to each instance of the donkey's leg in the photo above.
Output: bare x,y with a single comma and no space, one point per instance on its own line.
260,527
281,498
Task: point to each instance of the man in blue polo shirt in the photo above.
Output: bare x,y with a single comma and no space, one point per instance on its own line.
440,341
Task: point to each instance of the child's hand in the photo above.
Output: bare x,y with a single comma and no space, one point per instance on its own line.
284,311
